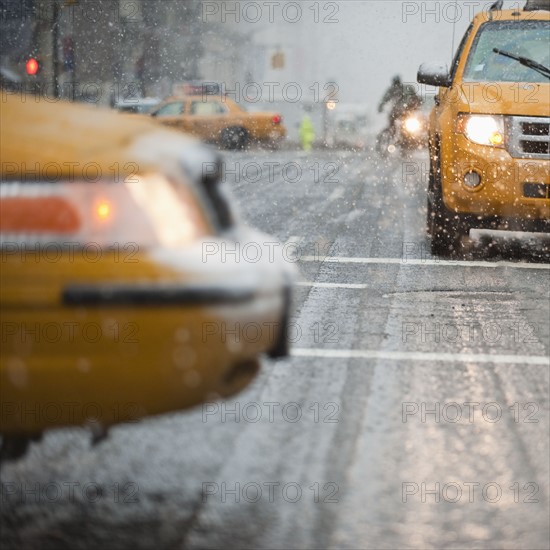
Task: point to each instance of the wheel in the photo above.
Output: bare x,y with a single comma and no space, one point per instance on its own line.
235,138
445,228
384,143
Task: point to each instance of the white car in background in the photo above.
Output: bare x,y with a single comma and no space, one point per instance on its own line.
140,106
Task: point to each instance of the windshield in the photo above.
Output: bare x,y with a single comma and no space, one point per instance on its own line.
529,39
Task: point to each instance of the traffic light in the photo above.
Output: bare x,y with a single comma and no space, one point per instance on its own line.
32,67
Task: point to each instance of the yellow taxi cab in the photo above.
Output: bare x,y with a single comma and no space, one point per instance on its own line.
490,129
121,292
216,118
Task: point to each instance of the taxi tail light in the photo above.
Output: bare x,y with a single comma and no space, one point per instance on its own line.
48,214
277,119
146,211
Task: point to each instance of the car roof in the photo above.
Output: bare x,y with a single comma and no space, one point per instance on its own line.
512,15
68,136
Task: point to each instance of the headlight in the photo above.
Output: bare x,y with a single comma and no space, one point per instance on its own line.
412,124
482,129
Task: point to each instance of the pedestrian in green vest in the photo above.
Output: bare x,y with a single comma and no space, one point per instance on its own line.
307,133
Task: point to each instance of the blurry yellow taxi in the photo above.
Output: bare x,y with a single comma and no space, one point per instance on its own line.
122,290
216,118
490,129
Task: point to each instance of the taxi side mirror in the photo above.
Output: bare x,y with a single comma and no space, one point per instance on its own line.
433,75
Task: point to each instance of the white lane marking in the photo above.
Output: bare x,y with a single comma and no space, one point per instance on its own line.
420,356
332,285
416,262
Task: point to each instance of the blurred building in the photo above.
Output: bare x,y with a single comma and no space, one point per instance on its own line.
102,50
266,55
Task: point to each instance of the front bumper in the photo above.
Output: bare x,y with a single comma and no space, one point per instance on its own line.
502,192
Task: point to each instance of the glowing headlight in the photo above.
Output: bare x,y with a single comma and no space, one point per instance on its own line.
482,129
412,125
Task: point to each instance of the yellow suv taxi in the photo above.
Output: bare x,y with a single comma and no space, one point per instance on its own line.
490,129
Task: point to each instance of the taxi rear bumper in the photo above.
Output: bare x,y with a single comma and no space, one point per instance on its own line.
101,362
111,352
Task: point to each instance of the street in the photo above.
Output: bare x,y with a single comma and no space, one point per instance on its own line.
412,413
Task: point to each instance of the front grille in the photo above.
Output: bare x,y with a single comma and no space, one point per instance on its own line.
535,128
535,147
529,137
536,190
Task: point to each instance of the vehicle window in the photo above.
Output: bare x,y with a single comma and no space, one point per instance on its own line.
203,108
171,109
528,39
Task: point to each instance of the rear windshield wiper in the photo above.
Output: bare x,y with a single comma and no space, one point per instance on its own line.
544,71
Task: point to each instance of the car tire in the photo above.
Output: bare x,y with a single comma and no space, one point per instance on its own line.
445,228
383,142
235,138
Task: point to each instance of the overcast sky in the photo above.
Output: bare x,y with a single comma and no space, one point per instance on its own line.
364,43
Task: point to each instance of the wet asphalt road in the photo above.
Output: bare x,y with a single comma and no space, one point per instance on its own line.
413,412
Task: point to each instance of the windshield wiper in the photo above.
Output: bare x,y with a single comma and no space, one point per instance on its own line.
544,71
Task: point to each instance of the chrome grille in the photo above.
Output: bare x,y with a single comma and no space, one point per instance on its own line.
529,137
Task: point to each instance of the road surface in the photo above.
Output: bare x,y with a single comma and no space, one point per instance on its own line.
413,412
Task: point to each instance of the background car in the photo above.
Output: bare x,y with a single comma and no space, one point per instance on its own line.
218,119
140,106
114,286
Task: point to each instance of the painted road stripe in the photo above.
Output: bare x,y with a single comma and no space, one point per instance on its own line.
420,356
332,285
417,262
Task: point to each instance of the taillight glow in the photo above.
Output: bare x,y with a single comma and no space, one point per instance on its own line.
149,210
277,119
103,210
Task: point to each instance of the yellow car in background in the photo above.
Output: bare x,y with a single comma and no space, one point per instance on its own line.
216,118
490,129
121,291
